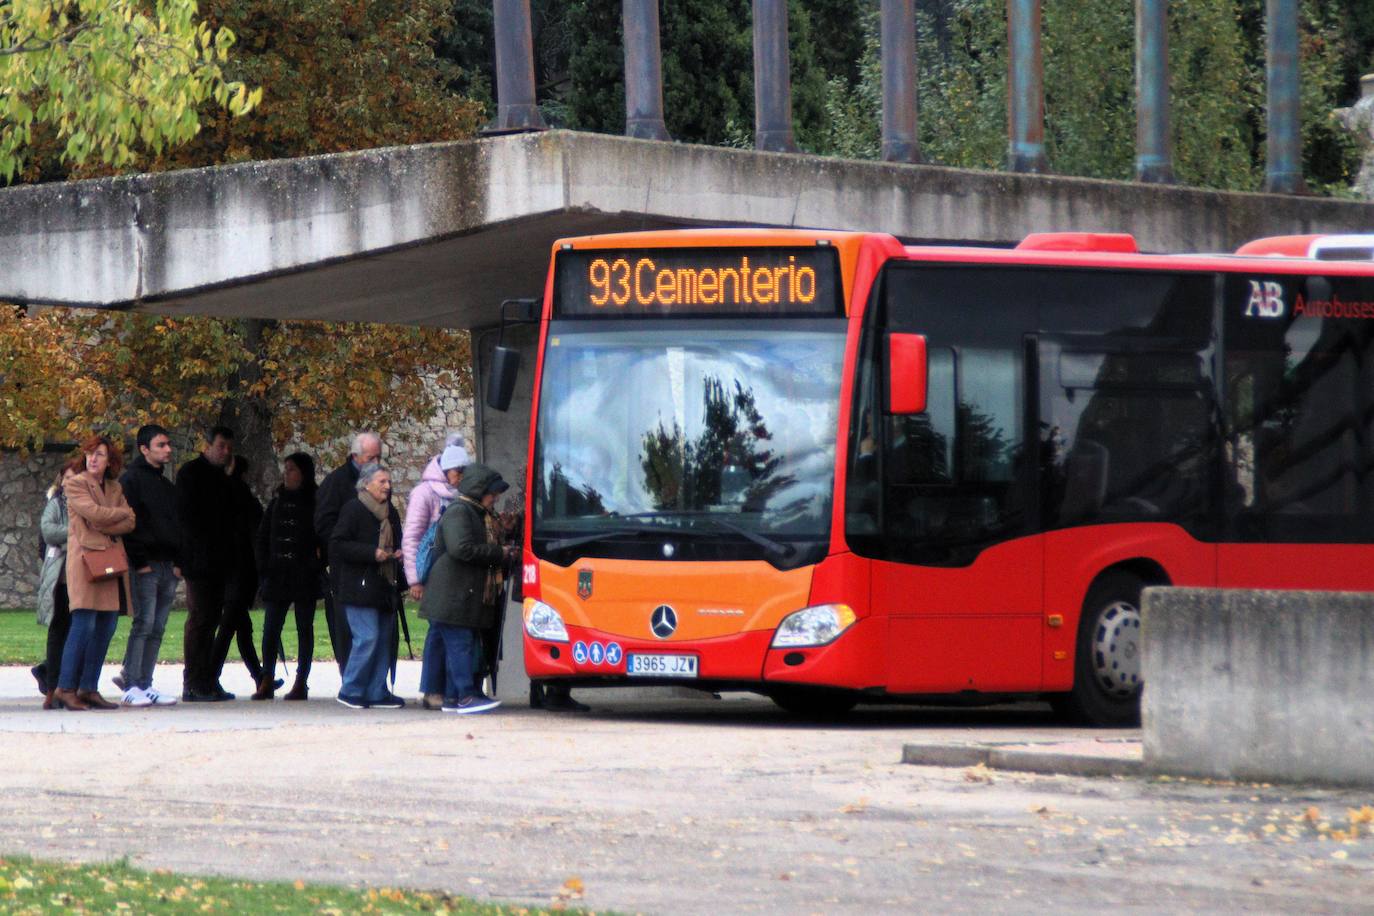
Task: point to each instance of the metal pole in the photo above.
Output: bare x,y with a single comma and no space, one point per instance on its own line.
900,140
1284,168
772,79
515,100
643,71
1153,156
1025,89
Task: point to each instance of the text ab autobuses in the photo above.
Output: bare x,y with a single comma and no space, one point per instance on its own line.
833,469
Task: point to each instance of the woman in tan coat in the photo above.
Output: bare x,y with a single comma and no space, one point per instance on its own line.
98,514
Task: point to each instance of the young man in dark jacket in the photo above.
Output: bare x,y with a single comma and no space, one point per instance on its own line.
205,507
366,552
464,587
154,549
337,490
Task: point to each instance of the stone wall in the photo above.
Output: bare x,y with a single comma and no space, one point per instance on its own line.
23,481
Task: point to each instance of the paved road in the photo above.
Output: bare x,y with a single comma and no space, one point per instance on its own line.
682,806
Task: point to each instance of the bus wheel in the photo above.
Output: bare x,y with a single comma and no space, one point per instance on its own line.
814,702
1106,676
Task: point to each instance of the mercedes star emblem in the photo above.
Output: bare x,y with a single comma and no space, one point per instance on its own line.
663,621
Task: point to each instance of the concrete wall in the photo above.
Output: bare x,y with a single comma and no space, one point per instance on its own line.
440,233
1259,685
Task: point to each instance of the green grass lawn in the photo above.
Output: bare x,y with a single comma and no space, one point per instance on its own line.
28,886
24,642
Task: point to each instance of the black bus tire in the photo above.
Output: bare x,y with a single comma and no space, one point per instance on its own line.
814,702
1106,670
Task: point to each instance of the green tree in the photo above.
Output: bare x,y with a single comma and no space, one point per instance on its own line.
110,77
335,75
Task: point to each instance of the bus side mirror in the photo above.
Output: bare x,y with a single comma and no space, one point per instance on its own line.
907,370
505,366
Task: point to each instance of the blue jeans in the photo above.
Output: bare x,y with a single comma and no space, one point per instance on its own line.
370,655
87,643
455,648
433,672
154,592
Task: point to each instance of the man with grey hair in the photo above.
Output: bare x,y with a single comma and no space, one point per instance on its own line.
338,489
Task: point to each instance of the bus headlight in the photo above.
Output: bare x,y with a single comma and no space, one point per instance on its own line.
813,626
543,622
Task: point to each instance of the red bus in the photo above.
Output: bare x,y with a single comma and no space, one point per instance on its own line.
832,469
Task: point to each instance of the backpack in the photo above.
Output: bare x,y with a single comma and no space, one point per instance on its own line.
429,549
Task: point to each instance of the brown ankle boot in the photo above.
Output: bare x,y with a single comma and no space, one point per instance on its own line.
70,700
266,688
50,700
298,691
94,700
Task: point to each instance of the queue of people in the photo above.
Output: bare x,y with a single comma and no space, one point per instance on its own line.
119,541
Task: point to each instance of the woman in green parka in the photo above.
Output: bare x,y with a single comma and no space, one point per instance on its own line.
464,587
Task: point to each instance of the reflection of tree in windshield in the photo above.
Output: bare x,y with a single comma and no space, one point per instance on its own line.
729,463
570,500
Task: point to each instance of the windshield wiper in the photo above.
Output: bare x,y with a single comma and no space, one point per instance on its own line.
775,549
566,543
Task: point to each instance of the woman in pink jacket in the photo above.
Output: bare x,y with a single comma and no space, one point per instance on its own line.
437,488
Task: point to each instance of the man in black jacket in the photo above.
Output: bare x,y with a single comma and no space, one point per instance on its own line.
154,549
337,490
205,505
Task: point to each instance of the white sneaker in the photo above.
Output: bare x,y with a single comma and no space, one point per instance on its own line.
135,696
159,698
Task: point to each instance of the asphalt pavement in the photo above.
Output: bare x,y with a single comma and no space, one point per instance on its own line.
672,806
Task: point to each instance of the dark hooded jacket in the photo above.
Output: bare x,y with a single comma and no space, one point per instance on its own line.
454,592
205,508
157,531
287,546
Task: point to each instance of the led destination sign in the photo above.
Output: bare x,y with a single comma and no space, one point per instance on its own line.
697,281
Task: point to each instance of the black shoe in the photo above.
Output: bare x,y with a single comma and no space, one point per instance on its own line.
468,705
560,701
40,674
118,681
391,701
195,696
277,683
351,702
220,694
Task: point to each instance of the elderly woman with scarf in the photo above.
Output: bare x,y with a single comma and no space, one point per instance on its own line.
366,546
464,587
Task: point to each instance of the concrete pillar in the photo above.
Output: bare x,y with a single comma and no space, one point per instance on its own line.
1153,145
503,443
1025,89
900,138
772,79
643,71
516,108
1283,172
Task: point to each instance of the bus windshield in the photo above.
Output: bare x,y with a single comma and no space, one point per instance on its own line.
717,434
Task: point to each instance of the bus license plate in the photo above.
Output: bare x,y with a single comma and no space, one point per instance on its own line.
639,665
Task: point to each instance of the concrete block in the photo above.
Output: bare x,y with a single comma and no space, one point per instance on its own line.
1259,685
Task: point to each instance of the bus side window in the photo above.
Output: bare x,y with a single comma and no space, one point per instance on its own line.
1300,419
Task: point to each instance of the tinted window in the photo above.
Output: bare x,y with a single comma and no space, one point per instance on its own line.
1300,382
1118,427
1127,430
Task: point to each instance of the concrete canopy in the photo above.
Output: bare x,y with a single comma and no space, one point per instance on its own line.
439,234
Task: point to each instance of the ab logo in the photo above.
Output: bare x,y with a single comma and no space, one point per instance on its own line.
1266,300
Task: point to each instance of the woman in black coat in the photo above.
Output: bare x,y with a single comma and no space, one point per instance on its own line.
288,555
366,549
